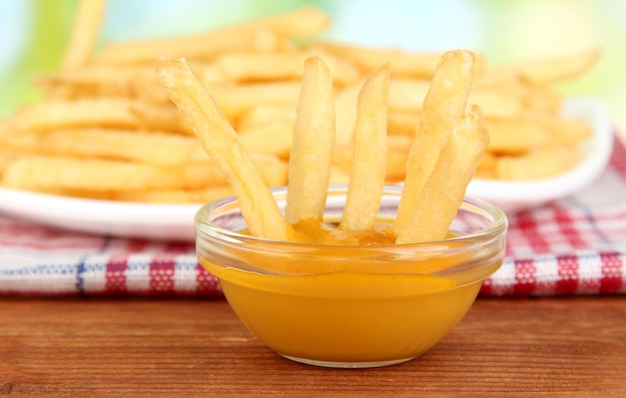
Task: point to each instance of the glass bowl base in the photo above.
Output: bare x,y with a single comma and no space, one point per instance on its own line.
348,365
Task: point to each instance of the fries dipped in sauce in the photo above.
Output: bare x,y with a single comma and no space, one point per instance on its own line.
340,276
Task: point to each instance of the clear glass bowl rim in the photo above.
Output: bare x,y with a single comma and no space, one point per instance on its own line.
497,227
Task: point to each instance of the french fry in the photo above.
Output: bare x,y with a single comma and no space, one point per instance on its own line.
93,80
274,138
539,163
345,114
236,100
402,123
264,114
566,131
104,112
157,148
551,70
313,139
445,102
49,173
367,178
517,136
487,166
305,21
84,33
442,195
220,140
397,157
405,63
205,195
253,67
273,169
407,95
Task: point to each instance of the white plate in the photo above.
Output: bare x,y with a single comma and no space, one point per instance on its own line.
512,196
175,222
134,220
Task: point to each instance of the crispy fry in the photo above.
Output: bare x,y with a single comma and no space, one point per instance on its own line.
367,178
402,123
487,167
345,114
274,138
246,67
442,195
516,136
556,69
397,157
404,63
301,22
46,173
313,140
85,32
174,196
540,163
445,102
104,112
220,140
264,114
407,96
567,131
158,148
236,100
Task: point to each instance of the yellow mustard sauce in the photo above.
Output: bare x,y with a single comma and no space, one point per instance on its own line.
349,315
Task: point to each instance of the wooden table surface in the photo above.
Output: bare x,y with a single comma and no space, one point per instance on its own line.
570,346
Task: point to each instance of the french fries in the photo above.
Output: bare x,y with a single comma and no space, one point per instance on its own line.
444,104
450,142
442,194
107,106
220,140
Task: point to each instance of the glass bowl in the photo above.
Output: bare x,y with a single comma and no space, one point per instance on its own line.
350,306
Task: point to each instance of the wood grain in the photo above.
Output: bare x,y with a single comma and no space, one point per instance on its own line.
570,346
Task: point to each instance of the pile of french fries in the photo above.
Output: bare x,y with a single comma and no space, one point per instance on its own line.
109,130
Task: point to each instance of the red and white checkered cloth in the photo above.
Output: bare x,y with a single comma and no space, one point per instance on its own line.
576,245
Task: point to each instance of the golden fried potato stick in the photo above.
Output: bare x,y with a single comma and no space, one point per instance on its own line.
445,102
272,138
236,100
405,63
540,163
158,148
249,66
345,114
42,172
304,21
264,114
566,130
517,136
402,123
85,32
551,70
220,140
442,195
367,178
312,149
205,195
99,111
407,95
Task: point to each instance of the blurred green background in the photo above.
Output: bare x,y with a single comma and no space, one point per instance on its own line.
35,32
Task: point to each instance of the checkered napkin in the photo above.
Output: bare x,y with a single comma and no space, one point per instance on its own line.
576,245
